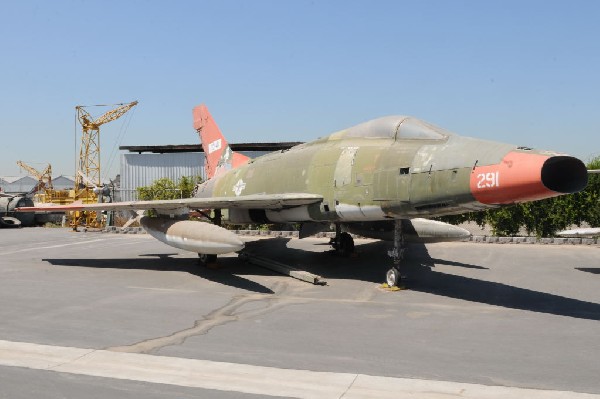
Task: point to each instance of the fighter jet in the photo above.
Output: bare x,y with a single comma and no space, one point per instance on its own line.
383,179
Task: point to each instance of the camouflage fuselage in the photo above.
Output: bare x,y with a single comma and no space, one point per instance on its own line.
393,168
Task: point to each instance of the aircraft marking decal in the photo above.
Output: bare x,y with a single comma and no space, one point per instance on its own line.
239,187
488,180
214,146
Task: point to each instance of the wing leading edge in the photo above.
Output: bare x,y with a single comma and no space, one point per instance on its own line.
252,201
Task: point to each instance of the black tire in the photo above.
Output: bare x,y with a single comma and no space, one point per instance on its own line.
8,221
392,277
207,259
345,245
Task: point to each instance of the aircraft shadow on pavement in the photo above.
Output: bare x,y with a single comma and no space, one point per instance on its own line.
421,276
418,269
425,279
593,270
165,262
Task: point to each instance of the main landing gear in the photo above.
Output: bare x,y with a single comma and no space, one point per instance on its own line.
343,243
207,259
210,259
393,277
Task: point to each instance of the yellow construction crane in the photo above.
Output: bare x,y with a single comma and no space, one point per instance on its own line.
87,178
89,152
44,180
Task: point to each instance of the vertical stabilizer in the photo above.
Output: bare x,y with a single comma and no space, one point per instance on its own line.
218,154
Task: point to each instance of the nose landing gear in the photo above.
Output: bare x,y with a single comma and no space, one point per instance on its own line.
393,277
343,244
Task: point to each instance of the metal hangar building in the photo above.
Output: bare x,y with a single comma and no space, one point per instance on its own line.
142,165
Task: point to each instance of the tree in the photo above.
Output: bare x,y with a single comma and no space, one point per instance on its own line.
591,196
166,189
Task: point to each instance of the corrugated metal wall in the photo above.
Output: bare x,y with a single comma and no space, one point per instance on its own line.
138,170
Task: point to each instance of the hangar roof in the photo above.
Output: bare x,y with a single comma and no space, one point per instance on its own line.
161,149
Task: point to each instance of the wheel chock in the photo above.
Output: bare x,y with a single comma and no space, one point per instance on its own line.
213,265
386,287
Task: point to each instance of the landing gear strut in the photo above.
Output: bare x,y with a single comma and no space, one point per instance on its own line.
210,259
393,277
343,243
217,219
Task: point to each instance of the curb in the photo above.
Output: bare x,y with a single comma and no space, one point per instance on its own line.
534,240
126,230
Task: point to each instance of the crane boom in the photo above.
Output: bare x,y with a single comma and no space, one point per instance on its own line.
29,169
89,152
114,114
44,178
87,122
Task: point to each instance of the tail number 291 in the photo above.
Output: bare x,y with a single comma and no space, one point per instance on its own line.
488,180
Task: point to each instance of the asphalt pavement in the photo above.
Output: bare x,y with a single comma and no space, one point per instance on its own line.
98,315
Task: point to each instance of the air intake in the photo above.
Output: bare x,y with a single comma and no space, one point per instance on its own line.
564,174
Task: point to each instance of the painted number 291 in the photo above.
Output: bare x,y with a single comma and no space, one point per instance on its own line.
488,180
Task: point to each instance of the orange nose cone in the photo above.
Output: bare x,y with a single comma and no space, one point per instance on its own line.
522,177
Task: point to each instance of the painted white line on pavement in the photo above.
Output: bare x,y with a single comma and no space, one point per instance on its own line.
49,246
135,287
36,248
251,379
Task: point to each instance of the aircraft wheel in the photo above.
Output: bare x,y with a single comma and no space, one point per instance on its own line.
207,259
7,221
392,277
345,244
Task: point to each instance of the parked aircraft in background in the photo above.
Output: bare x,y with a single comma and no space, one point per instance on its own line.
378,179
8,217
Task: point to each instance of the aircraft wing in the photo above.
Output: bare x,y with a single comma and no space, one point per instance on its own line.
252,201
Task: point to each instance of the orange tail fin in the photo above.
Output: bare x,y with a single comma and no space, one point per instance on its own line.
219,156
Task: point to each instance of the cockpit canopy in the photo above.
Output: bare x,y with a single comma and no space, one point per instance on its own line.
397,128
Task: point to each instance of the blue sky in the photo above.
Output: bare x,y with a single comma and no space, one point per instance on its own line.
523,72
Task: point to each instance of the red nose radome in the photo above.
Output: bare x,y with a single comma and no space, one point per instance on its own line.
524,177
